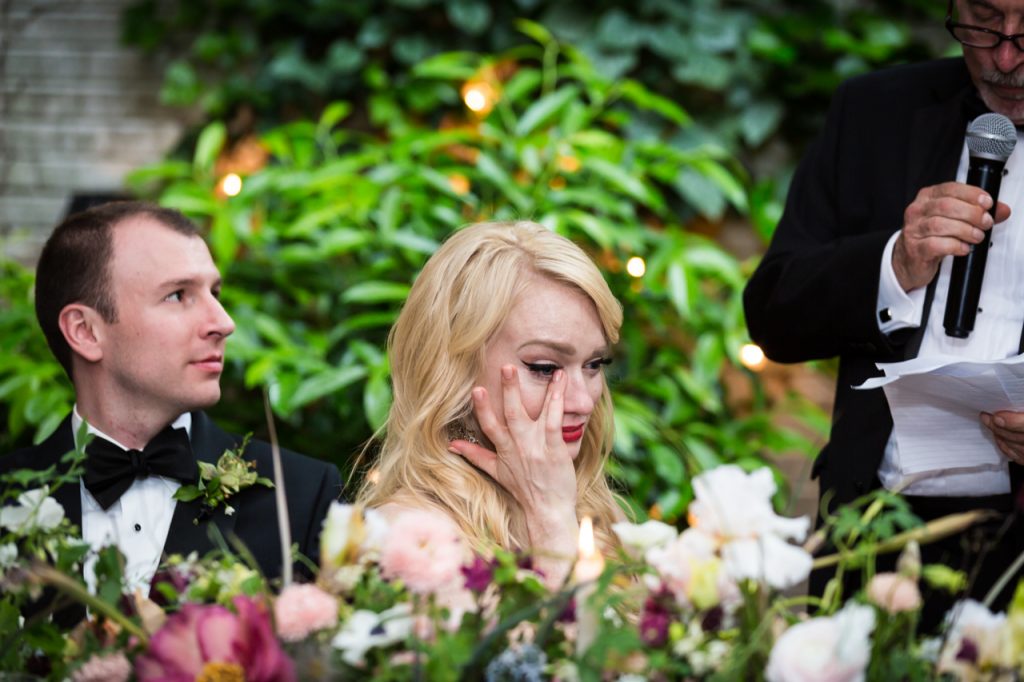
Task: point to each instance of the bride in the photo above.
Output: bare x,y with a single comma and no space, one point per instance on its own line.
501,420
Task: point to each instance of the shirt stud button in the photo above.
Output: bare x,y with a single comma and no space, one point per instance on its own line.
137,528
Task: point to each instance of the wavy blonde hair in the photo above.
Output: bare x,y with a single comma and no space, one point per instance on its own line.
458,304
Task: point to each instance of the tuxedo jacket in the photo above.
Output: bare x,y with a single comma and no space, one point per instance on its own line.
310,486
814,295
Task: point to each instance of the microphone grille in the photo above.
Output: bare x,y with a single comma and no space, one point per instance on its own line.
991,136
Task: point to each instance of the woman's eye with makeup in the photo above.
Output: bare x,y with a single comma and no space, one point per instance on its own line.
597,364
541,369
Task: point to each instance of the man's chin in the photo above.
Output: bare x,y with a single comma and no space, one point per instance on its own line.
1012,107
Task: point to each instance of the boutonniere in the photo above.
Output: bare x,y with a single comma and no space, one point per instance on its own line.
219,482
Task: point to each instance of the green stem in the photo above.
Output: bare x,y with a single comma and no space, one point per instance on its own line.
74,589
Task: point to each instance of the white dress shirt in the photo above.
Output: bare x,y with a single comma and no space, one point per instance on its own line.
137,522
996,335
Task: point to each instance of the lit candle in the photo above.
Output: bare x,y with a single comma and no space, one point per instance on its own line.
589,566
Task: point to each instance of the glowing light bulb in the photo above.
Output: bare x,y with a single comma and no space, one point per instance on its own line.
459,183
636,266
752,357
231,184
476,99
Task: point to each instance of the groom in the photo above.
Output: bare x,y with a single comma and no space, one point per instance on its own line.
128,298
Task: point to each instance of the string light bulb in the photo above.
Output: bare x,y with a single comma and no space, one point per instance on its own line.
636,266
231,184
752,357
480,93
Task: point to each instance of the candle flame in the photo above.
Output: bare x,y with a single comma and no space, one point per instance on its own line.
587,548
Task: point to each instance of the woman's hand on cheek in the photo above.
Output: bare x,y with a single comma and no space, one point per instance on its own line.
530,459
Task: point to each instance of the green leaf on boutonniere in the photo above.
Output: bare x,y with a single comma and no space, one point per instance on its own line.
217,483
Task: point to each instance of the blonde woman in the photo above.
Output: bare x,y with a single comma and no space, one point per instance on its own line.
501,419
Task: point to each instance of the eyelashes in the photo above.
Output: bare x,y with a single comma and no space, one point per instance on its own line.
547,370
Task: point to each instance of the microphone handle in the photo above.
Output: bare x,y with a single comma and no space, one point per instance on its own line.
968,271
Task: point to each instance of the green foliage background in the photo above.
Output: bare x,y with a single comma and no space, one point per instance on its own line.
634,129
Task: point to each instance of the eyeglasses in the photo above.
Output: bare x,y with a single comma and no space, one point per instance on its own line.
976,36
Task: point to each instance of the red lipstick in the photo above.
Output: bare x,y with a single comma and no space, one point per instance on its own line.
571,434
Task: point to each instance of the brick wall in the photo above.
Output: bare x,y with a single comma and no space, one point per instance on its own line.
77,111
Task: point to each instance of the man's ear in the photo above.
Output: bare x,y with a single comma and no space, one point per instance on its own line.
82,329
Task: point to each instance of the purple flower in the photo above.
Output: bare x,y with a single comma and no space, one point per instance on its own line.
654,622
968,651
479,574
210,640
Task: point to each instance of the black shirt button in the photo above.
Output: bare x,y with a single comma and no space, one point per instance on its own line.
137,528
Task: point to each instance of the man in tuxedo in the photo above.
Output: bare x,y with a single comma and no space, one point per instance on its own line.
859,266
127,296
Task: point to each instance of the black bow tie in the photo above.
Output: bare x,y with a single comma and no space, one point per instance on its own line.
110,470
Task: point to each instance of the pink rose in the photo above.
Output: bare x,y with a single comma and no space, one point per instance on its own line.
894,592
424,551
302,609
104,668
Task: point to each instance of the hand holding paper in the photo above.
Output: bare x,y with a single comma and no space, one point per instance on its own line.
936,406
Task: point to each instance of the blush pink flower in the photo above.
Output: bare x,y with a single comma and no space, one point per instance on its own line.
303,609
104,668
424,551
894,592
211,642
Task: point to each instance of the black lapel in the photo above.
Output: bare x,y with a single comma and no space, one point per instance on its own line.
190,531
936,142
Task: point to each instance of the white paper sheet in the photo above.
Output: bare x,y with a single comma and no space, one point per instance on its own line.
935,405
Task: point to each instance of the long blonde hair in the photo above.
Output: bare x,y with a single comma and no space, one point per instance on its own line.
459,302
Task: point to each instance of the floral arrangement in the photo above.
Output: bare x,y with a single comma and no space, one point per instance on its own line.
406,599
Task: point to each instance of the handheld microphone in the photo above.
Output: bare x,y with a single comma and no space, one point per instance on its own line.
990,141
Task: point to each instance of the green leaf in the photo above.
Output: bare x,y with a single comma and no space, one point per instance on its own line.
501,181
668,465
333,114
324,383
211,141
678,290
638,94
454,66
376,291
471,16
544,109
377,399
535,31
621,180
344,57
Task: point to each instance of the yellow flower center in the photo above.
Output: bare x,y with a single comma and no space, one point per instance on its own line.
217,671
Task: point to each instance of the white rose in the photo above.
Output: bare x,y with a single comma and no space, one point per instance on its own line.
735,508
337,530
35,509
376,526
731,503
8,555
365,630
637,539
828,649
767,558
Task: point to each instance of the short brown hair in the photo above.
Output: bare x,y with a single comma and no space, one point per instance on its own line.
74,266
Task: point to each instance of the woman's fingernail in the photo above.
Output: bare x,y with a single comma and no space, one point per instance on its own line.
452,449
477,393
1000,422
508,371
